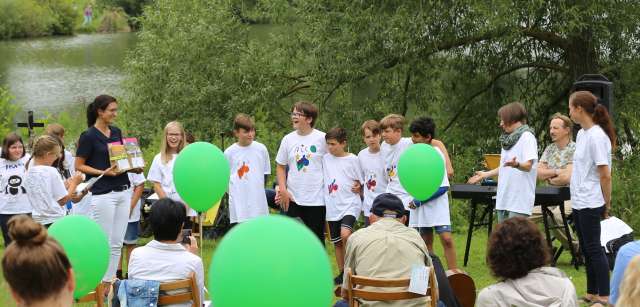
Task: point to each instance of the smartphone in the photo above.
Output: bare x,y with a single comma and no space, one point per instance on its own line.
186,233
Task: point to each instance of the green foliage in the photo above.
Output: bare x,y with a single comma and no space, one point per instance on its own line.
202,62
32,18
8,111
113,20
130,7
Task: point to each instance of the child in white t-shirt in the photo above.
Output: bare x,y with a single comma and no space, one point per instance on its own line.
391,149
518,164
46,189
13,195
433,213
300,187
341,171
133,227
250,166
372,165
161,170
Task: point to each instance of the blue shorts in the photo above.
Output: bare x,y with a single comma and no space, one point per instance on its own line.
133,230
439,229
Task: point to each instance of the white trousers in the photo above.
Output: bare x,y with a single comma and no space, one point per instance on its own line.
111,212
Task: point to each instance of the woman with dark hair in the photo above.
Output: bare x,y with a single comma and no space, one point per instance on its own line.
517,255
591,187
13,195
111,195
35,266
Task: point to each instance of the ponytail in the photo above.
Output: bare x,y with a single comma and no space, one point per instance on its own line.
99,103
599,114
602,118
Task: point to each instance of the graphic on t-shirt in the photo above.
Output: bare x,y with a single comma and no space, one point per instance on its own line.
391,172
371,182
333,187
303,156
14,185
243,170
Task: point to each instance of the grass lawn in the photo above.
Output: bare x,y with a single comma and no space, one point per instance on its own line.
476,267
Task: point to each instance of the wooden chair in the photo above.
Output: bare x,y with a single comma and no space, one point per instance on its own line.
192,294
463,287
356,283
94,296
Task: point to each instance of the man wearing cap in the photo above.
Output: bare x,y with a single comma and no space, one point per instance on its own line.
387,248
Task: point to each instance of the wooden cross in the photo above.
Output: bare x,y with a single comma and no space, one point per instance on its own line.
30,124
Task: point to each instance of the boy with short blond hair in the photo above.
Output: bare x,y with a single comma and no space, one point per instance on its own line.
372,165
391,149
250,165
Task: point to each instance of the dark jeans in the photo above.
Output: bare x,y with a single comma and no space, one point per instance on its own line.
587,222
4,219
312,216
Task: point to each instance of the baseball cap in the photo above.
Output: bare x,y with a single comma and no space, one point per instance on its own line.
387,202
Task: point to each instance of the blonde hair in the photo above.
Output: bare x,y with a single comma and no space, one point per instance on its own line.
34,265
55,129
164,148
45,144
395,121
630,287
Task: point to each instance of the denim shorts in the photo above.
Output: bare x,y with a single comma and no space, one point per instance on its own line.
439,229
133,230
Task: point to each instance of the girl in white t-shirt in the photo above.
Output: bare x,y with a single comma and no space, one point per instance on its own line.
341,170
591,186
45,188
13,195
161,170
250,165
518,164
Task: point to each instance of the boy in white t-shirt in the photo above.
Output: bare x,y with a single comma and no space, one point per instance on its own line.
518,164
250,166
133,228
433,213
341,170
372,165
391,149
300,188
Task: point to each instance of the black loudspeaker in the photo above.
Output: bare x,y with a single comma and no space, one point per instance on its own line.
598,85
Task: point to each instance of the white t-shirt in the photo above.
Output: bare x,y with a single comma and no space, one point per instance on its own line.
136,180
165,262
593,148
13,196
303,155
69,162
339,176
434,212
375,181
45,187
391,155
517,189
248,165
163,173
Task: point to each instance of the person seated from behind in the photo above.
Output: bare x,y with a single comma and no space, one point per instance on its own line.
385,249
630,287
518,256
35,266
623,259
165,259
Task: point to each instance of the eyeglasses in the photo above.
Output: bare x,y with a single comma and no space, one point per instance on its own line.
297,114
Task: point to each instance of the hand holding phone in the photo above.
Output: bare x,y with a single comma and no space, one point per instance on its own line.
186,233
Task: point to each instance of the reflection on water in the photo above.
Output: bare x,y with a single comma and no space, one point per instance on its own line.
46,74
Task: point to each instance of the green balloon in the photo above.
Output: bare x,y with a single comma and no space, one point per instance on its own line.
201,175
421,170
271,261
87,248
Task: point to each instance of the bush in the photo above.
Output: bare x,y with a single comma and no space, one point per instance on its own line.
114,20
7,112
30,18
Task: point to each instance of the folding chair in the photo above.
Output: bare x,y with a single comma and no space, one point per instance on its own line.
192,292
355,290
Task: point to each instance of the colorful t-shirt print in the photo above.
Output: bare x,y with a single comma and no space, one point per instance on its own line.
333,187
391,155
340,174
302,154
375,177
248,165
